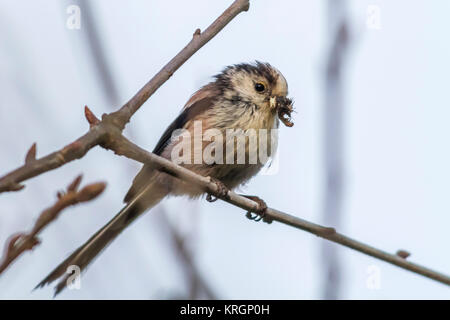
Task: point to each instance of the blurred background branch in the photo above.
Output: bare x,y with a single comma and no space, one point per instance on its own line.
117,120
334,113
21,242
124,147
96,47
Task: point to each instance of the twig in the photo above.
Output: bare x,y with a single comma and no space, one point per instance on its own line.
73,151
21,242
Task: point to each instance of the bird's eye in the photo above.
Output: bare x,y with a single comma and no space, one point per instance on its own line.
259,87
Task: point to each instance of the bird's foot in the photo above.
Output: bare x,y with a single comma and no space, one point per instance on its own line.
261,213
222,190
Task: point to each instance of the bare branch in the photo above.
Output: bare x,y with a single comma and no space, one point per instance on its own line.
108,134
124,147
199,39
334,143
73,151
31,154
117,120
90,117
21,242
98,53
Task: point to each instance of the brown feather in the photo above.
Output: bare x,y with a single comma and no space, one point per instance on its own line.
201,101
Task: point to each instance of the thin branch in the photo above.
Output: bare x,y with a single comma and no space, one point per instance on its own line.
117,120
97,51
198,283
21,242
73,151
124,147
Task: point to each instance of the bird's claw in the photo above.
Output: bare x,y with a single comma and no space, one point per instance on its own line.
222,190
261,213
210,198
255,217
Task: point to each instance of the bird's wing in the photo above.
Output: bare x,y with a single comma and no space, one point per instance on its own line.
201,101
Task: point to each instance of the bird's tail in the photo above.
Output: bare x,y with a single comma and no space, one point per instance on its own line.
85,254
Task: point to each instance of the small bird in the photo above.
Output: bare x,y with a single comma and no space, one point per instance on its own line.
242,98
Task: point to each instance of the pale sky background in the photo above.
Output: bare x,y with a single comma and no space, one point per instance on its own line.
396,144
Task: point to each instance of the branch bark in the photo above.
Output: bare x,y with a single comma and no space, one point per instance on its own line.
199,39
21,242
126,148
117,120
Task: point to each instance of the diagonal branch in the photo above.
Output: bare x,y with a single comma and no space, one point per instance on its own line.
334,143
21,242
117,120
97,51
122,146
199,39
198,282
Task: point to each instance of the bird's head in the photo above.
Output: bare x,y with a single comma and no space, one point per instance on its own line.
257,84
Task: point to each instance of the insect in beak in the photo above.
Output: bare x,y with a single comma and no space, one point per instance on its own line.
284,108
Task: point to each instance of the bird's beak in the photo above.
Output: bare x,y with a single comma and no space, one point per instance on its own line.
284,107
279,102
